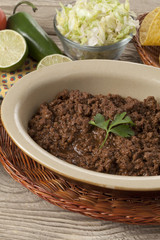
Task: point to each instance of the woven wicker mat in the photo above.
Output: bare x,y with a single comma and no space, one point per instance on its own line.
106,204
148,55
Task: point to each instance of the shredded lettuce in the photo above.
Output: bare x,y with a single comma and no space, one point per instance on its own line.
96,22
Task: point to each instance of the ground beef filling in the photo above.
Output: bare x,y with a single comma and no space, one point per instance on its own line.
61,127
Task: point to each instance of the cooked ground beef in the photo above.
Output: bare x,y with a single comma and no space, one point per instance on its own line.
61,127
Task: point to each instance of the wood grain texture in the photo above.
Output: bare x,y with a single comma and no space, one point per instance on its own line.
23,215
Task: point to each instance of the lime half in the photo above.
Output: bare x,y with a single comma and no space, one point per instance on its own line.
13,50
52,59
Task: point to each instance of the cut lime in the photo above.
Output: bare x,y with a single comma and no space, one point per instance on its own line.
52,59
13,50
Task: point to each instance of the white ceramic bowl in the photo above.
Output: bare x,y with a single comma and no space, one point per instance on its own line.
94,76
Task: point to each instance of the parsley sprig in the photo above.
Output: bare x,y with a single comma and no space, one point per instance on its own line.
121,125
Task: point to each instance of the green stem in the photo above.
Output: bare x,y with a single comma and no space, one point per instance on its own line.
104,139
34,8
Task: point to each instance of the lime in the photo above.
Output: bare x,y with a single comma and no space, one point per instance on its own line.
13,50
52,59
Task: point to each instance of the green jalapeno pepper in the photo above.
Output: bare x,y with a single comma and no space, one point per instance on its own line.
39,43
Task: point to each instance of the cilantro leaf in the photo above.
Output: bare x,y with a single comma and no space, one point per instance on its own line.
123,131
100,122
121,119
121,125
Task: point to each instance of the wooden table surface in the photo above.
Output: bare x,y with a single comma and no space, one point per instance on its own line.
23,215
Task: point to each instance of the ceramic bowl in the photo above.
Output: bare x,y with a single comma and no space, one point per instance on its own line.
94,76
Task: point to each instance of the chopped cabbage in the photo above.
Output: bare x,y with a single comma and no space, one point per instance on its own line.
96,22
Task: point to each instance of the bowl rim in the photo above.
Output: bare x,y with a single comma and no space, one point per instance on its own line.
9,111
118,44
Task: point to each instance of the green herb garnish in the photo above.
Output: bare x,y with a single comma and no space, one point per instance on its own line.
121,125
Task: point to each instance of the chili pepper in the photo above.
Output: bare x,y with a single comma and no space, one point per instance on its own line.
38,41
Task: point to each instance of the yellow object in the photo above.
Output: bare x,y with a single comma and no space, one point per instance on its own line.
13,50
8,79
52,59
150,29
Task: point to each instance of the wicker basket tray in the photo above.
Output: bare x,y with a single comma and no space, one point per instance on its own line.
148,55
100,203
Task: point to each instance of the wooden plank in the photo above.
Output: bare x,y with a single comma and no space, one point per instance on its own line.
24,216
47,9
